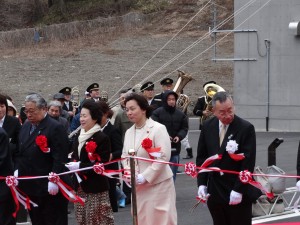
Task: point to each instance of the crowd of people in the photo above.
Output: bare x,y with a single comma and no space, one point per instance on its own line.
57,137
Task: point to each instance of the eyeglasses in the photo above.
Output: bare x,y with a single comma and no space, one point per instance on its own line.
30,111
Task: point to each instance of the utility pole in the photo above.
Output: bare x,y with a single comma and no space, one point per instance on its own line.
214,25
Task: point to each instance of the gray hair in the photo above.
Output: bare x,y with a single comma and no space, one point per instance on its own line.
37,99
55,103
221,96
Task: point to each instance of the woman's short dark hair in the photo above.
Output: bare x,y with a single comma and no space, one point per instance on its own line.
94,109
3,101
105,109
141,101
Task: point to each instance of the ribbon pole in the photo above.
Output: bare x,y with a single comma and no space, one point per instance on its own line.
133,187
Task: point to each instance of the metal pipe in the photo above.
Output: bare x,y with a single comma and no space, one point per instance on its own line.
272,151
267,43
133,188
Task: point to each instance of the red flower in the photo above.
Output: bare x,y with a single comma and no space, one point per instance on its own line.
41,141
147,143
90,146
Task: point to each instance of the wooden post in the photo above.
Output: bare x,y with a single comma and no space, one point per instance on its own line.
133,190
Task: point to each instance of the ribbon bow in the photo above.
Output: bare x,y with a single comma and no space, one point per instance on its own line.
65,189
19,197
190,169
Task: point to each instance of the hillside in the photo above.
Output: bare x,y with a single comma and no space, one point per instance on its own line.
111,56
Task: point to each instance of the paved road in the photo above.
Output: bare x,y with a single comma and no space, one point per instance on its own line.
186,186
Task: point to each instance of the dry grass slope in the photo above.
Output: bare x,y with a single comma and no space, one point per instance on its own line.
111,56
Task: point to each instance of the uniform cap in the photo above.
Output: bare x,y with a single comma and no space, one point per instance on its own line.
209,82
147,86
92,87
66,91
166,81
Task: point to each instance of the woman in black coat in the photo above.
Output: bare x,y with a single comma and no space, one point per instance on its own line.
92,146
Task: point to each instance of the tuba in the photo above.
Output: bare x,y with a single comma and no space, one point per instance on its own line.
183,100
210,89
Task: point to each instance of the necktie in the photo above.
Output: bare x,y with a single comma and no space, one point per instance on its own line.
222,133
32,128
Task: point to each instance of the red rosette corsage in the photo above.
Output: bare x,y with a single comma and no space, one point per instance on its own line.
90,148
147,143
42,142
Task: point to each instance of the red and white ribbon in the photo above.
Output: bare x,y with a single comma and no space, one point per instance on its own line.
99,169
237,157
190,169
210,160
18,196
246,178
65,189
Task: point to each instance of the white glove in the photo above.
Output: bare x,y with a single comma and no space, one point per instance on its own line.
140,179
235,198
72,165
202,192
298,185
52,188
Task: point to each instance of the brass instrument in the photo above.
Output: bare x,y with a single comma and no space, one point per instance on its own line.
75,96
183,100
210,90
104,96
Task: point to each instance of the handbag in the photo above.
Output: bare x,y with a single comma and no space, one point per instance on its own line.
264,180
277,183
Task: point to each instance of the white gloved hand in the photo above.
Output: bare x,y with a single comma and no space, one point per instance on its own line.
72,165
140,179
52,188
298,185
202,192
235,198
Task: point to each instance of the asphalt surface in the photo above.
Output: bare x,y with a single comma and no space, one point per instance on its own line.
186,188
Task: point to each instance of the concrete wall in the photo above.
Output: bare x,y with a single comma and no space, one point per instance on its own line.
250,78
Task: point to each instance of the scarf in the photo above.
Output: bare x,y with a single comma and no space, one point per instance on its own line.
84,136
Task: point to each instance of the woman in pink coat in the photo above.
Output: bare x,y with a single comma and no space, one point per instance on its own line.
156,197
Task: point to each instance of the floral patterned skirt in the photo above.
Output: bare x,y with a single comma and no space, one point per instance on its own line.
96,210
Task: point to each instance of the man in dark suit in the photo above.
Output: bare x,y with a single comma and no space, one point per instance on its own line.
147,90
6,168
228,199
68,104
33,160
93,89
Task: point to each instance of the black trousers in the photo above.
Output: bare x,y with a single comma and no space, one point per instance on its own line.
7,208
113,194
51,210
225,214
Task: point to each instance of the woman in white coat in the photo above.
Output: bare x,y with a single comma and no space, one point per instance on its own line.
156,197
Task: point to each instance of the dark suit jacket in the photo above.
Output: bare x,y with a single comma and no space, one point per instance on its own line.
93,182
157,100
116,144
6,166
12,127
31,161
220,186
